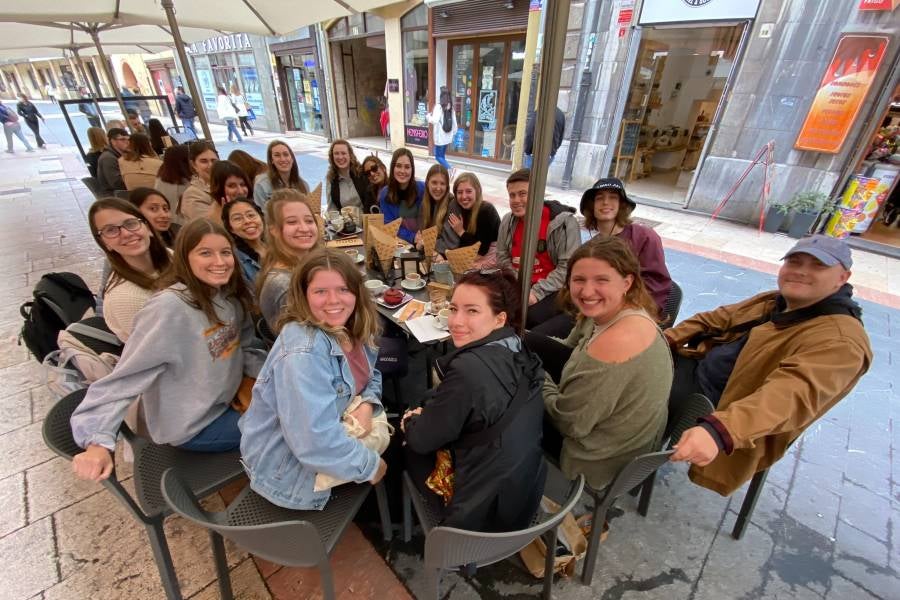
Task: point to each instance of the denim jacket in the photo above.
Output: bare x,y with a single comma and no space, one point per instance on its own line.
293,429
249,268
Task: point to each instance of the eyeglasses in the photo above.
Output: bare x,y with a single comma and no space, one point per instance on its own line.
121,138
238,218
113,231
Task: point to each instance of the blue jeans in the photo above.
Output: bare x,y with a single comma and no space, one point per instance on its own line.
189,125
440,155
529,159
221,435
11,129
232,128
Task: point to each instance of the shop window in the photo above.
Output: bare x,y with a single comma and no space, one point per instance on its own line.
356,24
417,17
339,29
374,23
415,86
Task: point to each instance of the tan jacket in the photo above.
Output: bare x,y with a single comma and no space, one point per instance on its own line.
784,379
139,173
196,202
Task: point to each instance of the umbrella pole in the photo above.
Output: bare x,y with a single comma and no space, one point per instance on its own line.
169,7
110,77
548,89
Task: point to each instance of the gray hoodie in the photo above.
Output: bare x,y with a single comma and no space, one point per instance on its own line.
186,371
563,238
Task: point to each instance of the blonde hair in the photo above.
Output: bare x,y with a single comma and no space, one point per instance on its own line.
472,180
443,204
361,327
277,252
97,138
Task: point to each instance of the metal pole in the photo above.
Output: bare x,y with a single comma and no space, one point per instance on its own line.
531,39
557,18
79,68
589,31
110,77
169,7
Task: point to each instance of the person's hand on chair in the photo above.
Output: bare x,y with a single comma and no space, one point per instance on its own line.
696,446
94,464
379,474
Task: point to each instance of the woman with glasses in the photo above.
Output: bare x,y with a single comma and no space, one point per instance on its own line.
191,346
375,173
485,417
345,183
283,173
470,219
244,221
608,388
197,201
402,196
136,255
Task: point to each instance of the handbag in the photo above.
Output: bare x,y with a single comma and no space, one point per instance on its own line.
571,546
251,116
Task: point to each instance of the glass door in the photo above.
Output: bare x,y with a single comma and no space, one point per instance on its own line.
294,79
489,82
462,84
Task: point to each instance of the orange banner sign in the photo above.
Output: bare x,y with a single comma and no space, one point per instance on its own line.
841,93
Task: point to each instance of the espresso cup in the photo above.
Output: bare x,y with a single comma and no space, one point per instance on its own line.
413,279
374,286
337,223
443,316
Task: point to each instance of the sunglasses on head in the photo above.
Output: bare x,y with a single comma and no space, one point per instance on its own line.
372,169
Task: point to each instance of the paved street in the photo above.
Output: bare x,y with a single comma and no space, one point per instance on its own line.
825,526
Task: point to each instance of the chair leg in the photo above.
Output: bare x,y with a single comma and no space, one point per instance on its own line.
221,560
549,562
597,520
646,494
749,504
384,511
407,513
327,579
163,559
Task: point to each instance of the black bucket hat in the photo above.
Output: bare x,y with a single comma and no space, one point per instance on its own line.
608,183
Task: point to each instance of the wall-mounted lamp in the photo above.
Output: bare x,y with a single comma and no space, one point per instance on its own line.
443,14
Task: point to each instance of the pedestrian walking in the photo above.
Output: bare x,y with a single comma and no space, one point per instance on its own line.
143,107
228,112
243,113
11,127
28,111
185,110
88,108
444,120
50,91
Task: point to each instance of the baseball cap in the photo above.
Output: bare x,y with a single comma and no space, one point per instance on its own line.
831,251
608,183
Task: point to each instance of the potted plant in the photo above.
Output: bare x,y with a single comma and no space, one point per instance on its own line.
805,209
775,215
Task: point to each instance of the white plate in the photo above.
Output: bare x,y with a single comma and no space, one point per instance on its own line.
412,287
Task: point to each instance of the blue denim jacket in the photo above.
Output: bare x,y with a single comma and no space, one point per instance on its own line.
249,268
293,429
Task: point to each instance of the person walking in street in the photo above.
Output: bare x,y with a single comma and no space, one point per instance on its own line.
444,120
50,92
28,111
12,127
228,112
559,128
88,108
184,108
240,104
143,107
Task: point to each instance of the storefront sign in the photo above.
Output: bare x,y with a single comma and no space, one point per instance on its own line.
841,93
417,136
682,11
878,4
221,43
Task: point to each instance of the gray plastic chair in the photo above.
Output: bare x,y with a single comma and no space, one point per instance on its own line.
205,473
295,538
631,475
749,504
672,307
450,549
683,414
91,184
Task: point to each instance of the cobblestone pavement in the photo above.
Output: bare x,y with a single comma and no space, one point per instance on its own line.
824,528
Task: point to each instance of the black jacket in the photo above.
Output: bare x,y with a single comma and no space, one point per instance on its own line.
29,112
497,486
184,107
559,128
363,190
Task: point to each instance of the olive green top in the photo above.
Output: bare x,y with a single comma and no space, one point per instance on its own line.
608,413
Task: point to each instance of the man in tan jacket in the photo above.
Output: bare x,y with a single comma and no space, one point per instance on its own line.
772,365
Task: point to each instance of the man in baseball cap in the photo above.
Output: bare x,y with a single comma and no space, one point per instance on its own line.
771,365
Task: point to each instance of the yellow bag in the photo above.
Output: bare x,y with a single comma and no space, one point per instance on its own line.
570,536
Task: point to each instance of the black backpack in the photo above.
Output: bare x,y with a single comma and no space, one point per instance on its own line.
60,299
447,119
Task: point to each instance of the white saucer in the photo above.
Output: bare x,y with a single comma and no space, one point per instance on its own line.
412,287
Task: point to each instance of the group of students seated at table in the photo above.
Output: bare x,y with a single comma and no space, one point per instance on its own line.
593,398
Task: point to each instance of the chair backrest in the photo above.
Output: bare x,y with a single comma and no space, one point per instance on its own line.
181,135
91,184
287,542
683,414
265,332
447,547
673,304
632,475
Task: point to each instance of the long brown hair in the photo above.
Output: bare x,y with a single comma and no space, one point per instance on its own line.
97,137
361,327
374,159
198,294
617,254
436,214
355,168
176,165
139,146
277,252
394,194
248,163
219,174
294,180
472,180
122,271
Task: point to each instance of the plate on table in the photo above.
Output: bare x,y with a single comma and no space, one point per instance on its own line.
411,286
342,233
380,300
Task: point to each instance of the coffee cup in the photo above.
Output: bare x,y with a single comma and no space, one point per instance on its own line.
337,223
414,280
374,286
353,254
443,317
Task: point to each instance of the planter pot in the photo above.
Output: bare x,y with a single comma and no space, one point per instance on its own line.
774,219
801,224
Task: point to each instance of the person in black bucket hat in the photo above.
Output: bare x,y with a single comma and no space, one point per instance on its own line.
607,211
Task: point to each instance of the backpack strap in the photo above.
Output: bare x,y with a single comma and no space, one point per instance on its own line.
83,329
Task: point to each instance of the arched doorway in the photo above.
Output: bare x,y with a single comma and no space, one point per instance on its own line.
130,80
